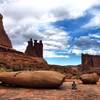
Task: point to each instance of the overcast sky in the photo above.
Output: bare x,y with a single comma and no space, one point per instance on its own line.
67,27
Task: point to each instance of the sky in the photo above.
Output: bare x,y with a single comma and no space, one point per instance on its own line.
67,27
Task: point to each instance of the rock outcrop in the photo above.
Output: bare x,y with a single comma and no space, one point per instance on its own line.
20,61
92,78
35,50
12,59
4,39
90,61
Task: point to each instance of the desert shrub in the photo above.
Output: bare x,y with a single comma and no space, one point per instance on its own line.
16,68
4,69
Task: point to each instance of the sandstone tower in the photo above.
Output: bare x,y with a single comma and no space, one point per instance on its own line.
4,39
90,60
36,50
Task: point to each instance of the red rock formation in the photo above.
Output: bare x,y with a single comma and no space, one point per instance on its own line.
30,49
90,60
4,39
36,50
20,61
10,58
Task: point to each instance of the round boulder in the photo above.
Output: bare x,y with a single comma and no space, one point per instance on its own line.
89,78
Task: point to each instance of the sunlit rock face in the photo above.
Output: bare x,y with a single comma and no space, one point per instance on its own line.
90,60
4,39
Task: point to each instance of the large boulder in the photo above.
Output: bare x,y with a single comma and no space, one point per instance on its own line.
35,79
89,78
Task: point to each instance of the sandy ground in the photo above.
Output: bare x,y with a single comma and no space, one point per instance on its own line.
84,92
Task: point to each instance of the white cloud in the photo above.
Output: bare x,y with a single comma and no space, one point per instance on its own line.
76,50
21,47
48,9
87,44
96,35
91,51
22,14
52,54
94,21
55,38
23,19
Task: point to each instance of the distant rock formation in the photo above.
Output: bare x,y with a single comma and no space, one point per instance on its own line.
4,39
90,60
36,50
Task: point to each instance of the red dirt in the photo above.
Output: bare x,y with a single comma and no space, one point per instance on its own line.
84,92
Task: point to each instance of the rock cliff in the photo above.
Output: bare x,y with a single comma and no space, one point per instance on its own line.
4,39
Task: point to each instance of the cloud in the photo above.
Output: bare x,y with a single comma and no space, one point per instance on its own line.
52,54
95,20
87,41
56,9
55,38
24,19
96,35
87,44
20,47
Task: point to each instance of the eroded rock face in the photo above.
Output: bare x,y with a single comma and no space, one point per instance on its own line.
4,39
90,61
35,50
18,61
10,58
35,79
89,78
